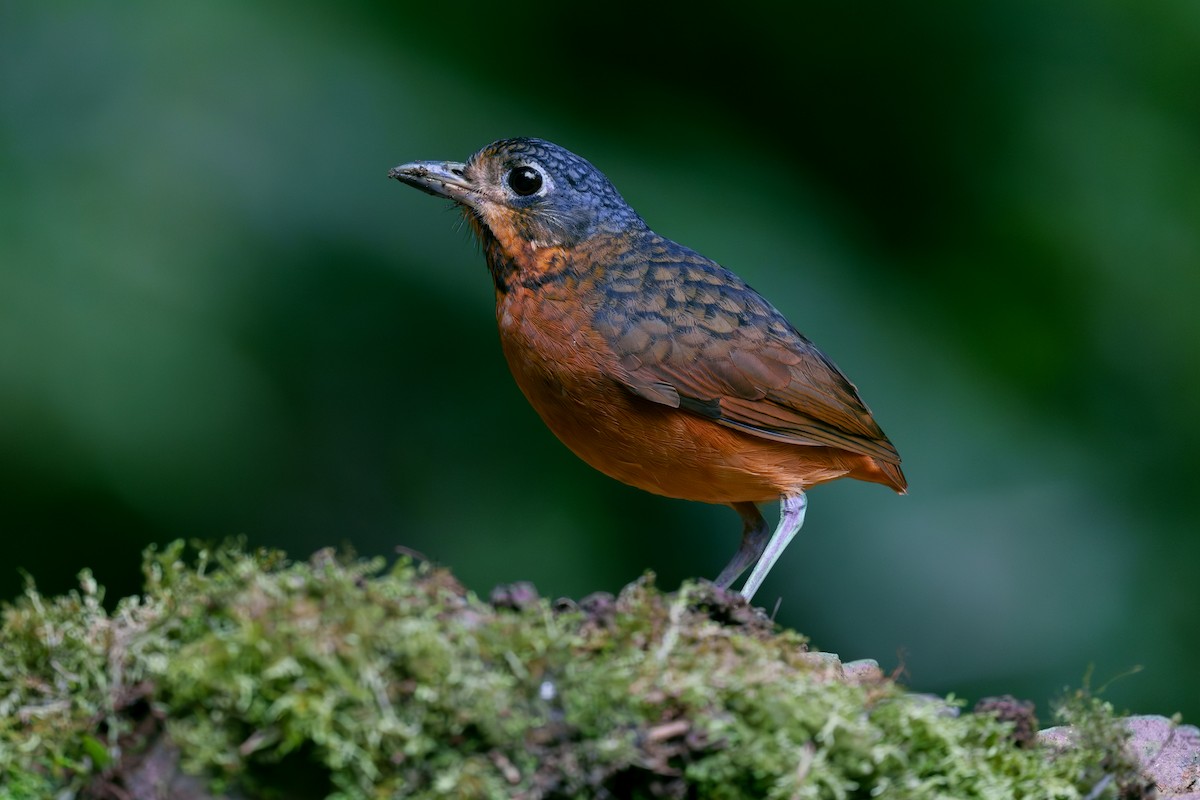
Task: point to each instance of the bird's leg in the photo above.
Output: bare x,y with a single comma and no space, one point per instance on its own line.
791,517
755,534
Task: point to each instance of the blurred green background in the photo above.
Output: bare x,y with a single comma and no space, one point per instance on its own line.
218,317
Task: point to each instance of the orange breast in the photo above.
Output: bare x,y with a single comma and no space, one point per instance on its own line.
561,365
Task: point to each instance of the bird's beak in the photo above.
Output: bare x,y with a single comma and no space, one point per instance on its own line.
439,178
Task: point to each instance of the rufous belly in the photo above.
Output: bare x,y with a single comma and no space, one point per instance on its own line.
559,364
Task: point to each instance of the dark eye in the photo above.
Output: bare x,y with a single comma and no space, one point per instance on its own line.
525,180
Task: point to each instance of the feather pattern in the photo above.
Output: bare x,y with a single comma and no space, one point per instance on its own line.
688,333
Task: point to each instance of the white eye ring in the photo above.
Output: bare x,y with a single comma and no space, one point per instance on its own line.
527,180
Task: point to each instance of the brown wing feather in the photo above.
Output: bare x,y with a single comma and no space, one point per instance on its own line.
689,334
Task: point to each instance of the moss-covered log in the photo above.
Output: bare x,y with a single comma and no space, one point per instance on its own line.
243,675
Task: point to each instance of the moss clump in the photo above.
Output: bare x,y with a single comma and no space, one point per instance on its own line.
341,678
1090,728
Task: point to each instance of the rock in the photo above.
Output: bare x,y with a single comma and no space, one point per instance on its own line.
1169,754
864,670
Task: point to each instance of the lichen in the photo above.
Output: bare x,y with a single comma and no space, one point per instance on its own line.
348,679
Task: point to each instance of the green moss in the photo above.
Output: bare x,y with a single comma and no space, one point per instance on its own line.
377,683
1098,755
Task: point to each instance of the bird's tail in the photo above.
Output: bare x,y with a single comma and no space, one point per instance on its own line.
885,472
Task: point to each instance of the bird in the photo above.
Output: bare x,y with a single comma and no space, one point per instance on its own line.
654,364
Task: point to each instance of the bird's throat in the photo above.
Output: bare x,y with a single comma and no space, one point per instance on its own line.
515,261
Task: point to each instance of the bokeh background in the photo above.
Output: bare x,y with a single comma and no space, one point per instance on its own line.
219,318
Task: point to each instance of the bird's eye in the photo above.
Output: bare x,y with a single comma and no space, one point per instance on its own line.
525,180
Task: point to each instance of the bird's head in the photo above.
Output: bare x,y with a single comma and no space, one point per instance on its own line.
526,194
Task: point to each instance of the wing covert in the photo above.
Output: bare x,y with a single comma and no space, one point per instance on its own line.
695,336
